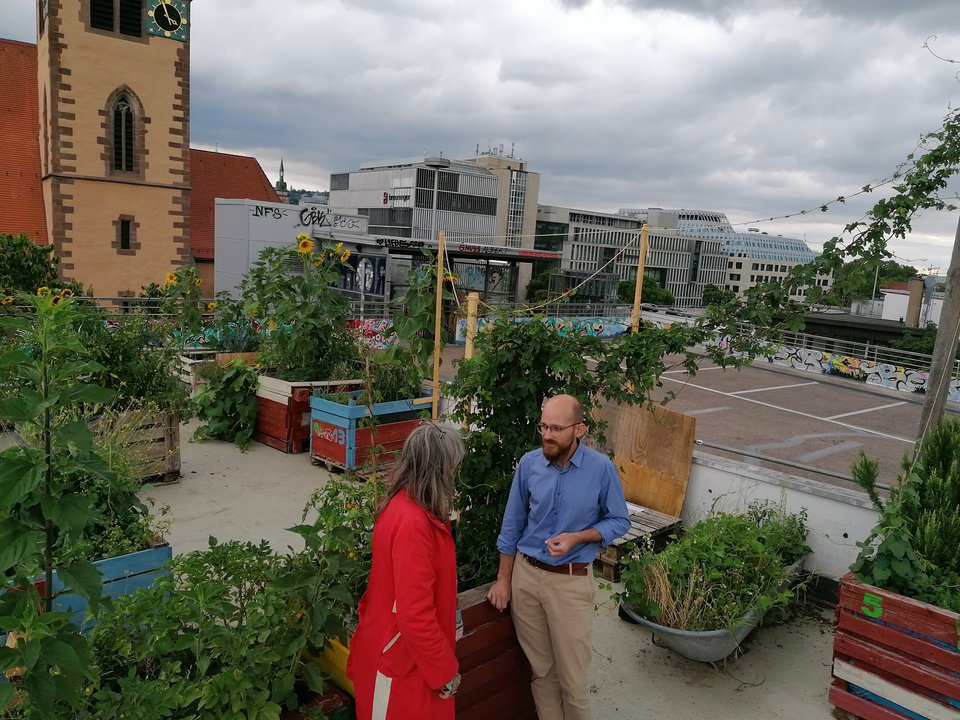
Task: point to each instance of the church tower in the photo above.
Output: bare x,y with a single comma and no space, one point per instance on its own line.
114,98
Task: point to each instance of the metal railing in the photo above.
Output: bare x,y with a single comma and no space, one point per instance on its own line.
865,351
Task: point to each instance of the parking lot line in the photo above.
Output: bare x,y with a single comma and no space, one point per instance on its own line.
788,410
707,411
775,387
857,412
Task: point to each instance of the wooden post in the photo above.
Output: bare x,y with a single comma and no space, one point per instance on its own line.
944,351
473,301
638,291
438,323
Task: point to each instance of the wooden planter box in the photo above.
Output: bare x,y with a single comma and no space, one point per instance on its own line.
158,440
249,358
338,440
121,575
188,367
894,657
283,412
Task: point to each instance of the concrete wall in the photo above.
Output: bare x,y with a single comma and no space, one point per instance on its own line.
837,518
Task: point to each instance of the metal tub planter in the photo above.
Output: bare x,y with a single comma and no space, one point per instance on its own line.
709,646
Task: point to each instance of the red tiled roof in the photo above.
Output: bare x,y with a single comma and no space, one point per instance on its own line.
221,175
21,191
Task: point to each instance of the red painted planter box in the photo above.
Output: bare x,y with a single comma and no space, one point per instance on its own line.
333,703
894,657
283,411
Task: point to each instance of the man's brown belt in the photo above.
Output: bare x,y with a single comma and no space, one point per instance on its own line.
564,569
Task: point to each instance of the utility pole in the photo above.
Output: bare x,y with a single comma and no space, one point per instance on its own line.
638,290
944,351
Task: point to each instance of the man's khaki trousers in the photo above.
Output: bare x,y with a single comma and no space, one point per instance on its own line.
553,616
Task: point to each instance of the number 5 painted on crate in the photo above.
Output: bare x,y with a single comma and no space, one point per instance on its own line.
872,605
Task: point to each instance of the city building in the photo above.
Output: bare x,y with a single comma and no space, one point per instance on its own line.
484,202
755,257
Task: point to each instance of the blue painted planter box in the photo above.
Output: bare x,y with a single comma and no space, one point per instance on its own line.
121,575
337,439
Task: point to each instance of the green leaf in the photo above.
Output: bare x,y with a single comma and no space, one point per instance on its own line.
57,653
17,543
313,677
88,393
71,512
83,578
19,476
76,433
7,693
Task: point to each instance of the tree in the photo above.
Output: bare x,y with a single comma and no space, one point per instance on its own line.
537,288
652,292
857,277
24,265
713,295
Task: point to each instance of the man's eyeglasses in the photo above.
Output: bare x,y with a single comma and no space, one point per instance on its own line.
554,429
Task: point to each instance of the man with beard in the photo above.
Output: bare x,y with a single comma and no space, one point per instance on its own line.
566,501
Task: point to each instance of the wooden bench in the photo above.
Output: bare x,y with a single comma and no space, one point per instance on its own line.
642,522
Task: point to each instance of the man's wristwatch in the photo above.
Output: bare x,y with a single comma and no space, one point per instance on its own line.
451,687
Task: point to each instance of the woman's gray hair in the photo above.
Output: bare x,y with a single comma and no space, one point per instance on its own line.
427,466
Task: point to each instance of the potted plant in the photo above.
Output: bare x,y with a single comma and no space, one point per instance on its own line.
138,365
351,428
704,593
291,292
897,646
221,637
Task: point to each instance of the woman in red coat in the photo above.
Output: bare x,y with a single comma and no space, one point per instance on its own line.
402,657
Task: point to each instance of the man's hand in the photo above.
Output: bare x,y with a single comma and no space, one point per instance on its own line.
563,543
499,594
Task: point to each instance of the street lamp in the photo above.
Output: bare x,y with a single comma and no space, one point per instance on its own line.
436,164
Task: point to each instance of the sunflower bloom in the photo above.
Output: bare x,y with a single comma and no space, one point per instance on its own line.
338,247
305,246
211,306
198,282
302,236
7,300
344,256
317,263
271,324
43,291
171,278
66,292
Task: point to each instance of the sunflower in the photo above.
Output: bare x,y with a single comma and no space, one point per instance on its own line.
305,245
198,282
302,236
338,247
171,278
43,291
317,263
271,324
344,256
66,292
7,300
211,306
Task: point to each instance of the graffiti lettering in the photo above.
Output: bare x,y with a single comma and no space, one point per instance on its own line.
399,243
269,212
478,249
328,433
313,216
345,222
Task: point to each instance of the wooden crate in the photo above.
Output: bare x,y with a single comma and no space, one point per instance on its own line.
283,412
338,441
188,368
645,521
153,440
894,657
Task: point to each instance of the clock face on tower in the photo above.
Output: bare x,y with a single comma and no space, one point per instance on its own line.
168,18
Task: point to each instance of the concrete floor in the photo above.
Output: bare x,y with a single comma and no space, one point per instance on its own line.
783,675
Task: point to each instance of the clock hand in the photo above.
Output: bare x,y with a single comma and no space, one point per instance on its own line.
165,11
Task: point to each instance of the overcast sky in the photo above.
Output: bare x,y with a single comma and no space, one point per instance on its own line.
754,108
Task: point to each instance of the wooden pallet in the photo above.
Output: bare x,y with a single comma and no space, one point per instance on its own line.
894,657
645,522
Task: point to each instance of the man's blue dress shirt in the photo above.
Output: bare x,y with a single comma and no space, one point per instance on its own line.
546,501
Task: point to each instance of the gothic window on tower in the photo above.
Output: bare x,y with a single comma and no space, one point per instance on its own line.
125,242
117,16
123,139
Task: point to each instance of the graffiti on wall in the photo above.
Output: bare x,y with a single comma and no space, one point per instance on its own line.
602,327
377,334
871,372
